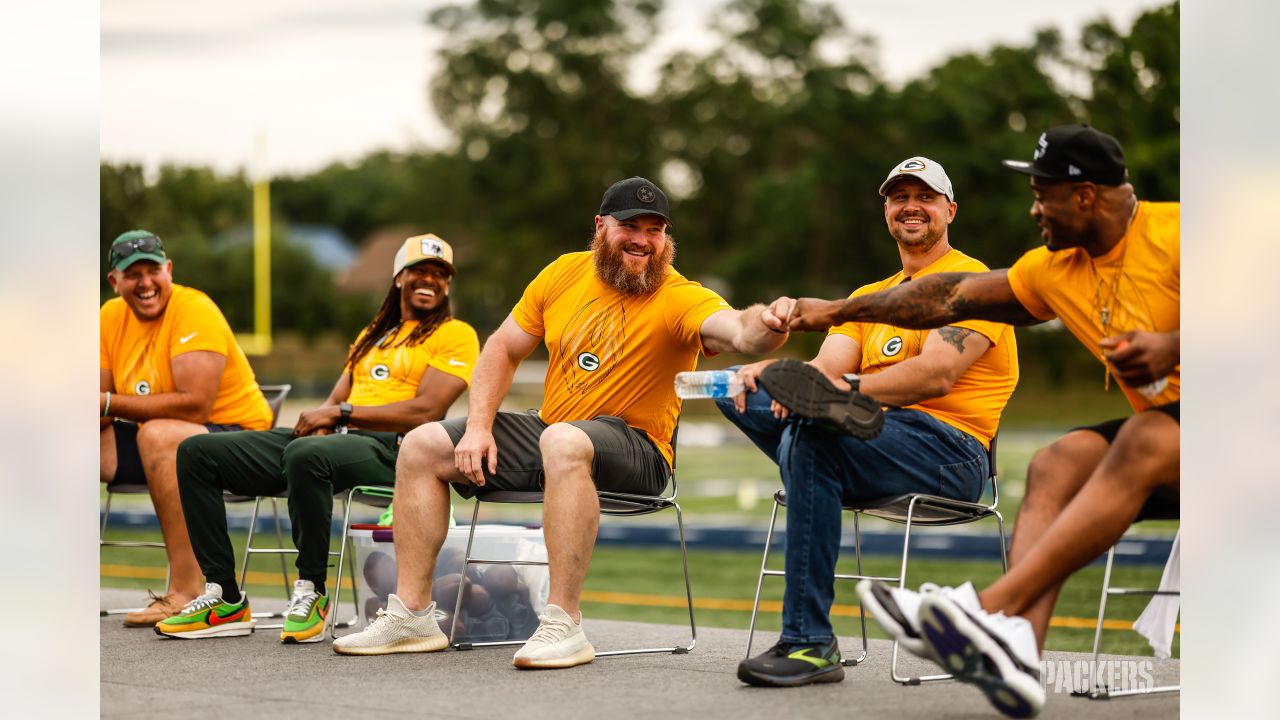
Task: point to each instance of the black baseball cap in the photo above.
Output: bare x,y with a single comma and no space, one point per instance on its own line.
1075,152
635,196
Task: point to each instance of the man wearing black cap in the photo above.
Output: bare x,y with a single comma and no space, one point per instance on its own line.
618,323
169,369
1109,271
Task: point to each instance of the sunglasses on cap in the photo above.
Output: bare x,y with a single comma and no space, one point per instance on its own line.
122,250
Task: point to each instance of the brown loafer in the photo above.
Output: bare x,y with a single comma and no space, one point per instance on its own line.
160,607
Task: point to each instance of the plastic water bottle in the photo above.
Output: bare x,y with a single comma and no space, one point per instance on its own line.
708,384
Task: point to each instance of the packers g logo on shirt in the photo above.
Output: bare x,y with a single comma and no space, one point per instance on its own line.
142,387
380,372
588,362
892,346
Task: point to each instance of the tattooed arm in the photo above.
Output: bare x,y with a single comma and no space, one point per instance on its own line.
928,302
946,354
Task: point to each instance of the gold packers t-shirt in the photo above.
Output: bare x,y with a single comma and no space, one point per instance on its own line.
1135,286
391,372
139,353
978,396
614,354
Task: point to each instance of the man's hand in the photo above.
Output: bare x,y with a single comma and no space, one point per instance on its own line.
776,314
813,315
749,373
1139,357
324,417
476,449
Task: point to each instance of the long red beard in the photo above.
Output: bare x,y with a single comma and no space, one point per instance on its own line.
612,270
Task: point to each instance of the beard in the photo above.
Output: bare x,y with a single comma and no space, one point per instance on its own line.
611,266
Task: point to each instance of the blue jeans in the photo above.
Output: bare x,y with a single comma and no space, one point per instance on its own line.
914,453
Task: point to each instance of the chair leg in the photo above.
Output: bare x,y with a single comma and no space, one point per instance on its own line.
462,584
248,542
862,615
902,581
342,556
284,567
1004,550
688,588
764,570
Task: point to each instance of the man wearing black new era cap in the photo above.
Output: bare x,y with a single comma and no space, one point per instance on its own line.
618,323
1109,271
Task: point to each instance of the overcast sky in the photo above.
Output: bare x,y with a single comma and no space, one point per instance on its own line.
326,80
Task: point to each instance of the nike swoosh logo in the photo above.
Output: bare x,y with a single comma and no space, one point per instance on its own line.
183,340
216,619
456,363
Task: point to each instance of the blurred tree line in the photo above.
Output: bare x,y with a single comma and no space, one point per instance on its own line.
771,146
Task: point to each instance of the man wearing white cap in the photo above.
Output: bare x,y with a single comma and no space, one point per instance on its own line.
405,368
946,388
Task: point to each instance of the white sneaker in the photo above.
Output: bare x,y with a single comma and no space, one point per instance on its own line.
994,651
395,630
898,609
557,643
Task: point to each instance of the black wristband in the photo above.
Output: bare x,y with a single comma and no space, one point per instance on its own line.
345,409
853,380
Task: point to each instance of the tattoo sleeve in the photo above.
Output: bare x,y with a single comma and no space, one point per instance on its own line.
955,336
935,301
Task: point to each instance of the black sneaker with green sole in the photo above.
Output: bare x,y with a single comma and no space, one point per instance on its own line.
788,665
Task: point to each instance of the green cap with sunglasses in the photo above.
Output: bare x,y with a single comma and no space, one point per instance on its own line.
133,246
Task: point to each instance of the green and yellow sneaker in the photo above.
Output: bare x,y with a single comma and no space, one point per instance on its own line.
304,620
210,616
786,665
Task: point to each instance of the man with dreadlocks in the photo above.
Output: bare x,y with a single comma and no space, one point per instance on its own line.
405,369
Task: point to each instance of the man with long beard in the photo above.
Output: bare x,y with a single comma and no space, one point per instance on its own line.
618,323
946,388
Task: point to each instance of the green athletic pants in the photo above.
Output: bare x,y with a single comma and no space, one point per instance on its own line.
312,469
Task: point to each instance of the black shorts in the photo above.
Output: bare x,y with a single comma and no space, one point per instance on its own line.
626,460
129,461
1109,428
1163,504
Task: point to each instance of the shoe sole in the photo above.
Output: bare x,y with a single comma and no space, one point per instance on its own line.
235,629
408,645
805,391
888,620
582,657
830,674
297,638
965,649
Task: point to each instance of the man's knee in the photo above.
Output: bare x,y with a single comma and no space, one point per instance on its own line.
1148,446
425,450
1058,471
306,457
565,447
163,435
193,458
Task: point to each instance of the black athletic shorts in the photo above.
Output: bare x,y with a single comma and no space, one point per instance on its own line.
1109,428
1163,504
129,462
626,460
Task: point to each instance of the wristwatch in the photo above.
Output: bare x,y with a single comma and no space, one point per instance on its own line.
853,380
345,408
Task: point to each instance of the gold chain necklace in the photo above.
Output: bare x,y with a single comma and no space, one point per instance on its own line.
1104,309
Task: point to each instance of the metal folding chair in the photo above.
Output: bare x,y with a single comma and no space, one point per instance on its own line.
1155,509
275,395
916,509
611,503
